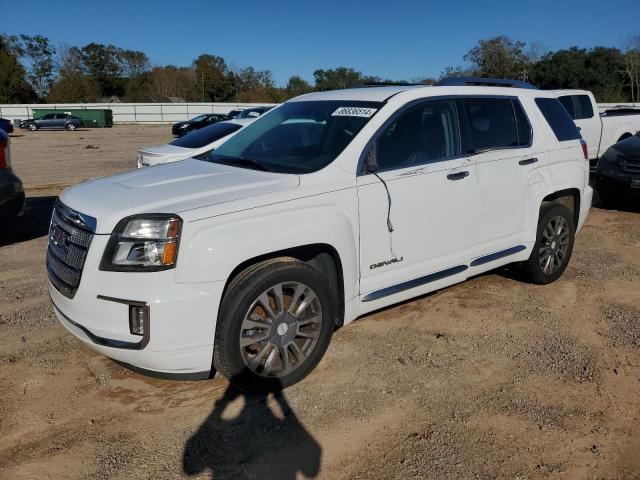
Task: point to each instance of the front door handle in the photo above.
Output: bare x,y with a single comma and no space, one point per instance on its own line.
458,175
528,161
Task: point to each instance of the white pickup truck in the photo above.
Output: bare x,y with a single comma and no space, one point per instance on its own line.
330,206
599,130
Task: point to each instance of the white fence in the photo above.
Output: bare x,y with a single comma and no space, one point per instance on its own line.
154,112
132,112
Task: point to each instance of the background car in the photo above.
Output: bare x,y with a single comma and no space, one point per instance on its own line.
6,125
11,191
253,112
182,128
618,172
200,142
53,121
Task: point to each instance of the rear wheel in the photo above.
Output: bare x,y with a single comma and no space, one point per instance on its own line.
71,127
554,245
274,326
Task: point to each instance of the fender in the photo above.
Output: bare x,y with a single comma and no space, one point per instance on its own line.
216,246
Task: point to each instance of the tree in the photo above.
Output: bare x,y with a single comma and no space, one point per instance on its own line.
135,68
297,86
632,67
499,57
38,54
73,85
338,78
171,81
13,87
215,78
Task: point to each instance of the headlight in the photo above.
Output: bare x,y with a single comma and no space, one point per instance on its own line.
184,125
143,243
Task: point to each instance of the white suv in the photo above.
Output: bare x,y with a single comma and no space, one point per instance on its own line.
330,206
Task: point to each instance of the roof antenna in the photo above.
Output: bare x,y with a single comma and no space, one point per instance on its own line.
371,166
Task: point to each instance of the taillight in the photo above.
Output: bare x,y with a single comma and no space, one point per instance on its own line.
585,152
3,154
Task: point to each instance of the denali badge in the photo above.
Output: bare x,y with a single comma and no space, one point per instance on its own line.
385,263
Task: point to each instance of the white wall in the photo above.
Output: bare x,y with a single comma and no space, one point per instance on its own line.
154,112
132,112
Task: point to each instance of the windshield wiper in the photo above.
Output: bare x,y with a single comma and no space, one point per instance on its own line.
243,163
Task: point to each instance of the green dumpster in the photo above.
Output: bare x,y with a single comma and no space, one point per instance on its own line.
93,117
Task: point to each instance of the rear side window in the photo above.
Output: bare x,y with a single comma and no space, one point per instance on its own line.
206,135
494,123
558,119
578,106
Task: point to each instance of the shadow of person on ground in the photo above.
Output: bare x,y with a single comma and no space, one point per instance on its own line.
258,442
34,223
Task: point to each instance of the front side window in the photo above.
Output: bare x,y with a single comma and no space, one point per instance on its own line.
491,124
424,133
297,137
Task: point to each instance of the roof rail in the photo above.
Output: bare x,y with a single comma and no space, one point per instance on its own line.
387,84
484,81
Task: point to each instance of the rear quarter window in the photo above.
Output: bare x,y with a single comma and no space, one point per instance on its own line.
558,119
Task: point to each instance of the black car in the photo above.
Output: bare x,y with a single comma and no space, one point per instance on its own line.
52,121
6,125
618,171
11,191
204,120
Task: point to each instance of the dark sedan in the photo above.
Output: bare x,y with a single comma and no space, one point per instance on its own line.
182,128
11,191
53,121
618,172
6,125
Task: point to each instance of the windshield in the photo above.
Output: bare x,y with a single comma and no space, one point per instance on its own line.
206,135
297,137
199,118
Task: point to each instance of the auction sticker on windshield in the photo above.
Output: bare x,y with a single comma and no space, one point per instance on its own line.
354,112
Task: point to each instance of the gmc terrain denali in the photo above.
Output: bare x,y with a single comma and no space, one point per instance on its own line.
332,205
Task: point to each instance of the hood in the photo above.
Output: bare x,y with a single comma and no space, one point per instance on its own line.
629,147
169,188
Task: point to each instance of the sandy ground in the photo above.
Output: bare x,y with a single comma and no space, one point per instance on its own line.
493,378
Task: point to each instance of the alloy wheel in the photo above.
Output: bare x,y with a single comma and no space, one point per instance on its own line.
554,245
280,329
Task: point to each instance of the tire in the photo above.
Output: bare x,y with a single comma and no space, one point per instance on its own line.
71,127
32,127
539,268
259,364
609,197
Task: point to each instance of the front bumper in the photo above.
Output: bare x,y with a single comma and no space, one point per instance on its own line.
182,317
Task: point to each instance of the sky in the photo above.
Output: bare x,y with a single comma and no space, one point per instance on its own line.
394,39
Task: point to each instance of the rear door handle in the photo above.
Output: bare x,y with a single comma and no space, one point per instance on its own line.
458,175
528,161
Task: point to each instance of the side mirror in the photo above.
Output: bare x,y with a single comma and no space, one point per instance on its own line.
371,160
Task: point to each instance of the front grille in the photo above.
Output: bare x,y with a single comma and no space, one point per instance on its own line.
70,236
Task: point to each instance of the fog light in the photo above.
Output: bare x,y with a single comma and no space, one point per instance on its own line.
138,319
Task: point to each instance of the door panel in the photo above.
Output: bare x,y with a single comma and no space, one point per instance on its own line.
431,216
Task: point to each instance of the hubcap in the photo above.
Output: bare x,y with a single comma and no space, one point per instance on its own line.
554,245
280,329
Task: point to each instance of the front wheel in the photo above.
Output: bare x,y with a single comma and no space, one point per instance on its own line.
554,245
32,127
274,325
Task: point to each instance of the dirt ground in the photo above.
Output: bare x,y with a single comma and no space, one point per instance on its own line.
493,378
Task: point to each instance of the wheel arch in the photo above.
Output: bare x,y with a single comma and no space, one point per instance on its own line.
568,197
322,256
